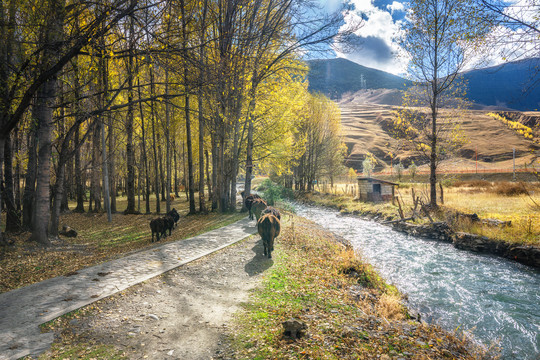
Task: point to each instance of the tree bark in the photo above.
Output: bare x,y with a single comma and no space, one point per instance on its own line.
78,176
30,181
42,210
130,151
191,183
12,218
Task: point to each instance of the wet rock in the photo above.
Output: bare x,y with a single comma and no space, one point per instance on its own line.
294,328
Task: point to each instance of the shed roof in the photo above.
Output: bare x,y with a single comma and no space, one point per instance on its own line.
378,180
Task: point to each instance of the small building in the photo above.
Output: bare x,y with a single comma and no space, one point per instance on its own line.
375,190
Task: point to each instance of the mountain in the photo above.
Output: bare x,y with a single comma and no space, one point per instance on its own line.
335,77
514,85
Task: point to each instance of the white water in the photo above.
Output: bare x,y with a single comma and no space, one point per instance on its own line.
496,300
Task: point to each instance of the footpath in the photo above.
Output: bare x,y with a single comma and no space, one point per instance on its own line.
23,310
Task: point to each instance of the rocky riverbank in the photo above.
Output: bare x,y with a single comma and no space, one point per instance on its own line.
438,230
524,254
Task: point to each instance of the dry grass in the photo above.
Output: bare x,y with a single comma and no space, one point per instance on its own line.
501,201
97,241
350,311
362,132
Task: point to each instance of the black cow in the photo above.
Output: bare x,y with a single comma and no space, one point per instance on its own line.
169,223
249,202
175,215
158,227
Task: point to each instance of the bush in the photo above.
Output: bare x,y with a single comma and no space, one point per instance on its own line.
510,189
271,191
472,183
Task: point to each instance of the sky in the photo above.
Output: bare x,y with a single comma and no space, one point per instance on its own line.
375,43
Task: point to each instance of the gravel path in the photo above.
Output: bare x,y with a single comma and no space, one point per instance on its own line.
182,314
24,309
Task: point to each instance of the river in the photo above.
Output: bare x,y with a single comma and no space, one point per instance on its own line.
496,300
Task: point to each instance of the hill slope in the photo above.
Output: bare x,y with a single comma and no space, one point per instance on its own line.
335,77
515,85
510,85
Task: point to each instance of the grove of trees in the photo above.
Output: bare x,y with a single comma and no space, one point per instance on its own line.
150,98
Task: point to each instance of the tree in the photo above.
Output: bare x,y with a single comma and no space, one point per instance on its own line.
439,39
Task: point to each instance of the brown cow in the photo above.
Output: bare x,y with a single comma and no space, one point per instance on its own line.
257,207
269,228
249,202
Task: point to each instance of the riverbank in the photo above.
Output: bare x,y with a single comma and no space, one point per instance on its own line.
349,312
447,226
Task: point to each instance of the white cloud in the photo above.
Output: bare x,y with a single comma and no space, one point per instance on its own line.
396,6
378,24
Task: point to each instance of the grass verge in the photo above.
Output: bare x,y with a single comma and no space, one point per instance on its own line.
98,241
351,313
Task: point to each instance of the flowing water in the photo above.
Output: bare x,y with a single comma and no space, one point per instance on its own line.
496,300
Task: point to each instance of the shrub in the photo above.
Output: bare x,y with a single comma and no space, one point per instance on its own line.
510,189
472,183
272,192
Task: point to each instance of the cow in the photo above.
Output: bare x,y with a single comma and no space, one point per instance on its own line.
169,223
257,207
158,227
268,227
175,215
273,211
249,202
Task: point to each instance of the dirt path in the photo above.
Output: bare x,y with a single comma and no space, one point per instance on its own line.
182,314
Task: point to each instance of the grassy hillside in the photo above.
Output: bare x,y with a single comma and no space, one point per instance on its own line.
493,141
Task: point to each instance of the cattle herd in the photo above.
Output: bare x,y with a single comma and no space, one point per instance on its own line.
268,221
160,225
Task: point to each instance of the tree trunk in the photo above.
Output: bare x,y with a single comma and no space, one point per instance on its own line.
17,178
112,165
12,217
30,181
45,102
130,151
95,181
144,153
156,160
168,143
433,161
78,175
58,194
208,183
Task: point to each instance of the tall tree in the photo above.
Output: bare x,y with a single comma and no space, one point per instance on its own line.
439,38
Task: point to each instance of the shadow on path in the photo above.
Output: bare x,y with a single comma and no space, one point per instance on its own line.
259,263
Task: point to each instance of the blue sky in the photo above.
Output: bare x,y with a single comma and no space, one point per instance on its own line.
375,42
376,45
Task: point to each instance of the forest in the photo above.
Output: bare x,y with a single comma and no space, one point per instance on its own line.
148,99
